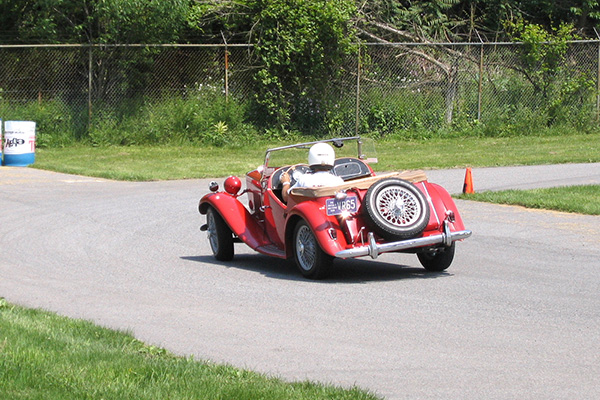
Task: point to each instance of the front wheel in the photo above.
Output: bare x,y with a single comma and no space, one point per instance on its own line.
220,236
312,261
437,260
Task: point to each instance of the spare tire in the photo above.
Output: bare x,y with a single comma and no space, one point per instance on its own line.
396,209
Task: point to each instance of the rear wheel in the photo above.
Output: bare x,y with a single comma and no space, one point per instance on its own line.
312,261
220,236
438,259
397,209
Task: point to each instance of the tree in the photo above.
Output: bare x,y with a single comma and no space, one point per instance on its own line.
543,52
386,21
93,21
301,45
99,22
298,45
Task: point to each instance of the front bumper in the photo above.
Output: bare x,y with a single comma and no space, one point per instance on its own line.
373,249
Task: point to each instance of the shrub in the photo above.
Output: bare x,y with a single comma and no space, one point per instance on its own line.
54,122
203,117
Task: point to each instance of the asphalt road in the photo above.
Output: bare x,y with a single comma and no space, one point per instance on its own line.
516,316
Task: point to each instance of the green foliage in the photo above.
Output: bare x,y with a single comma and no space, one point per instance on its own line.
141,21
206,116
426,20
405,112
145,21
572,103
54,122
586,10
95,21
430,19
300,45
543,52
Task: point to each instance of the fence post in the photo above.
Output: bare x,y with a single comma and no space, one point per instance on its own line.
89,87
226,68
480,88
598,79
357,94
226,74
598,82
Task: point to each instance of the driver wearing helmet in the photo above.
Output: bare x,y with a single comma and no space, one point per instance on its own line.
321,157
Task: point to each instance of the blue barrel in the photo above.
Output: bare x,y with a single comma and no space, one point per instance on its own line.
19,143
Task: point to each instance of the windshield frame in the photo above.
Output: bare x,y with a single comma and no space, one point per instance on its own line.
337,142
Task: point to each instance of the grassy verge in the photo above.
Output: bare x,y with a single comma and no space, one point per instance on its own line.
183,162
575,199
45,356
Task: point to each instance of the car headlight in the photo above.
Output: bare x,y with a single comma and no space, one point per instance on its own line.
232,185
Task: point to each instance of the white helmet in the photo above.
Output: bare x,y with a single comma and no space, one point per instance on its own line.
321,154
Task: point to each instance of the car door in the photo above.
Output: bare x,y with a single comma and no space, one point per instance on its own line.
274,212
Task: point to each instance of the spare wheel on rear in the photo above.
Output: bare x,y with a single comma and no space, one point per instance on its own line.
396,209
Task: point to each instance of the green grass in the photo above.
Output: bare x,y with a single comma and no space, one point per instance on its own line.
184,162
146,163
45,356
574,199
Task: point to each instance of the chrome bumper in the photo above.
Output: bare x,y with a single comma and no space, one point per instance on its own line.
373,249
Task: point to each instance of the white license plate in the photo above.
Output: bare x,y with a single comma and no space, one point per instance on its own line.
336,207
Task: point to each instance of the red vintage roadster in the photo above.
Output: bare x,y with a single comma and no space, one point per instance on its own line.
367,215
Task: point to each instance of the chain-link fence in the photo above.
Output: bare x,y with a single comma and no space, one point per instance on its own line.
502,85
385,89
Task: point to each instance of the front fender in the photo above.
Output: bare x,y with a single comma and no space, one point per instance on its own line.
313,212
236,216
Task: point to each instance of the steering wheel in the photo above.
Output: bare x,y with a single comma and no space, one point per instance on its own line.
291,171
295,170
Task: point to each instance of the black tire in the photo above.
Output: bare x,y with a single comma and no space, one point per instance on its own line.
311,260
220,236
438,259
396,209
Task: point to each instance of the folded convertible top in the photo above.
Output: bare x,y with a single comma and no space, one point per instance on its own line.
362,183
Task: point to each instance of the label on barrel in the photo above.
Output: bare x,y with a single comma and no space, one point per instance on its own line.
19,137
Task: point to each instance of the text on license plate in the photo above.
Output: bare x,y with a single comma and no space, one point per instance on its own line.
336,207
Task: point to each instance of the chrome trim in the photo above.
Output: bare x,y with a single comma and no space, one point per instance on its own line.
332,234
373,249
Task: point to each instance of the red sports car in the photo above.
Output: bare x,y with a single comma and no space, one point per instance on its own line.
367,215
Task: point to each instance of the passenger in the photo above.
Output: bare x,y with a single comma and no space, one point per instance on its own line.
321,157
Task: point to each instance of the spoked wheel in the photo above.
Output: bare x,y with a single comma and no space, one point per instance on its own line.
220,236
312,261
397,209
437,260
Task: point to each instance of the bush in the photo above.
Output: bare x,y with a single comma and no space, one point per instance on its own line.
54,122
206,117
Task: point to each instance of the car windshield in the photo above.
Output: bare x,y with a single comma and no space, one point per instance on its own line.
298,153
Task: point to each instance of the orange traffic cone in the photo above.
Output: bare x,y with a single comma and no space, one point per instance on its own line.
468,186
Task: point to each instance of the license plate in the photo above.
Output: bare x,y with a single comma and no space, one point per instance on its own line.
336,207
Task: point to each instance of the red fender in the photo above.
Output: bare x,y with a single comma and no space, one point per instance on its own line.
237,217
442,202
321,224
